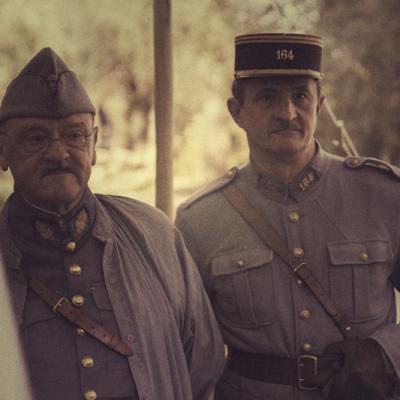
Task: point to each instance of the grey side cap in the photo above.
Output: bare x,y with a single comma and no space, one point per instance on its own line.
45,88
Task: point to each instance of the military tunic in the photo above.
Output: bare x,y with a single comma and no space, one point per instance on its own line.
142,285
339,216
64,361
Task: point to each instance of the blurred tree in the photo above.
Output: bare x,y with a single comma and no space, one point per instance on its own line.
109,44
362,67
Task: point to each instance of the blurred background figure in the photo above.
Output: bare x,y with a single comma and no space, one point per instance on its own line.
14,383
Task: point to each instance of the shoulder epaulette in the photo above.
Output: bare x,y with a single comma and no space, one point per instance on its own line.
358,162
212,187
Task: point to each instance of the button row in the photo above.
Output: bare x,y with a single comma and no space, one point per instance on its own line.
79,301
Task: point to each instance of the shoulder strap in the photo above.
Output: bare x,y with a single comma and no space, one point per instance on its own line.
62,306
268,234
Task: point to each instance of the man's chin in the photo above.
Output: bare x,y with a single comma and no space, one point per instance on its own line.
286,144
289,133
59,198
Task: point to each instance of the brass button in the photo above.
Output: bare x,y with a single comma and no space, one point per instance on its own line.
70,246
240,263
78,300
87,362
80,332
75,269
298,252
90,395
348,328
305,314
355,162
363,256
300,283
294,216
307,347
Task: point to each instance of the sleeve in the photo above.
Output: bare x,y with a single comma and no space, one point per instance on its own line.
388,338
203,345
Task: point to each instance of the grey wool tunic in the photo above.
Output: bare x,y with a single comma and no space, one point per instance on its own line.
340,216
156,295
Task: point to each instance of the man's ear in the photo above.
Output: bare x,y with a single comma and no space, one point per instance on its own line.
3,148
95,136
320,103
235,109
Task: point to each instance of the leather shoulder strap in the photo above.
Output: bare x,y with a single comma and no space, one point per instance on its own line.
76,316
271,238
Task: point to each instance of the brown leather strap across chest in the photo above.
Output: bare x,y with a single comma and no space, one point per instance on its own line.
271,238
62,306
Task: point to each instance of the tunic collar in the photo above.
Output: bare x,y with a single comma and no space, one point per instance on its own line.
302,185
34,224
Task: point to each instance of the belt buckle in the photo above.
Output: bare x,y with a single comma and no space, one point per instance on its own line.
59,303
301,360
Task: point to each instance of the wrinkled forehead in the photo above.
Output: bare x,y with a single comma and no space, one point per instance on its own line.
16,125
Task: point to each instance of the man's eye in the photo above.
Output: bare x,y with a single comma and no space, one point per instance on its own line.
266,97
301,96
35,138
73,135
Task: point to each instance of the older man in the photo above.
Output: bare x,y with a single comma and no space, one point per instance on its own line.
298,249
109,302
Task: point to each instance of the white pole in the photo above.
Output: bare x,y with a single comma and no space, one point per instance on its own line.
163,105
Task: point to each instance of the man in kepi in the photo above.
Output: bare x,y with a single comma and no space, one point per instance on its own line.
298,249
109,302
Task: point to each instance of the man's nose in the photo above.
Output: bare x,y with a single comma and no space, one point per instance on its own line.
285,109
56,149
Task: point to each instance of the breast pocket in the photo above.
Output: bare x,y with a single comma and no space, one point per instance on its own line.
42,330
243,289
360,277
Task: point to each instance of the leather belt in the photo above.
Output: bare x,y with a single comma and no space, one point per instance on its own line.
280,370
61,305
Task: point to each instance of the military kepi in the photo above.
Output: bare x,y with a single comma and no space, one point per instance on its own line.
45,88
278,54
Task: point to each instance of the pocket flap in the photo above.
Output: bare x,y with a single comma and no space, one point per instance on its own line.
240,260
359,253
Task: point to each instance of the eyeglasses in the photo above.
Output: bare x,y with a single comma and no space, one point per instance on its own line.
35,142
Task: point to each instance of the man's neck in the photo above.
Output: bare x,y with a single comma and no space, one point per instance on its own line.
285,168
